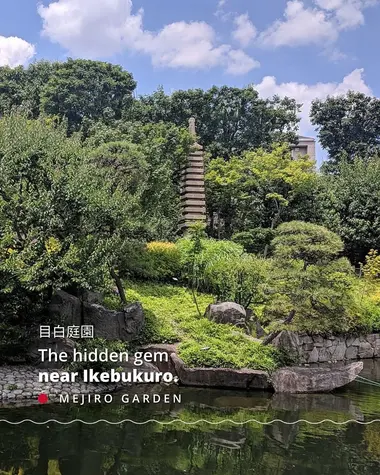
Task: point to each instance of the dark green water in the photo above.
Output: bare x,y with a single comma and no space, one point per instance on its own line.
200,449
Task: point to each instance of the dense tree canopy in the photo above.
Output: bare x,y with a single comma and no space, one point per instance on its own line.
352,202
22,87
77,90
348,126
257,190
229,120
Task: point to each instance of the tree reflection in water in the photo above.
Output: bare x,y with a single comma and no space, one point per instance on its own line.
225,449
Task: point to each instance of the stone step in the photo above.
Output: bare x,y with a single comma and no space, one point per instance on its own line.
199,170
190,218
193,183
193,196
201,203
195,160
194,176
199,190
194,210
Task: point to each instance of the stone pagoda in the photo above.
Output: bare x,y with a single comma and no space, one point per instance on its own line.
193,198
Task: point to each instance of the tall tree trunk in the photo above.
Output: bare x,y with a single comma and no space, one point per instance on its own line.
119,286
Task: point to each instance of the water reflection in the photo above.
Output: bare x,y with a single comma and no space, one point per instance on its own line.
226,449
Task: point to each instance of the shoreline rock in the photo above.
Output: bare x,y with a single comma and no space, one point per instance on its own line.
220,377
296,380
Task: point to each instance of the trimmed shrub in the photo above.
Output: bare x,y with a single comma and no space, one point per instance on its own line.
255,240
237,279
211,251
158,261
371,268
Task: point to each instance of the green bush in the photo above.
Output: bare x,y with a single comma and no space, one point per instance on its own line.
210,251
322,296
310,243
367,297
164,259
371,268
159,261
237,279
255,240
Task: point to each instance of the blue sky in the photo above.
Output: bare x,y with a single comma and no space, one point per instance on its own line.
304,49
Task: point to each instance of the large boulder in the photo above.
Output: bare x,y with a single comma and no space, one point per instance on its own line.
227,312
122,325
58,345
314,380
220,377
65,309
288,341
92,297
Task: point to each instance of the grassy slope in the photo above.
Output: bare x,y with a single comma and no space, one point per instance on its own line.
171,317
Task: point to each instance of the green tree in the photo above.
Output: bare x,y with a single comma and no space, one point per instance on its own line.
42,210
311,286
348,126
310,243
165,149
351,202
258,190
21,87
84,91
229,120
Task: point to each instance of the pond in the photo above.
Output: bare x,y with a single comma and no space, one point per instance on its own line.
200,448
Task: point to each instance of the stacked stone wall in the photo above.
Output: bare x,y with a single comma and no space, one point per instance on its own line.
319,349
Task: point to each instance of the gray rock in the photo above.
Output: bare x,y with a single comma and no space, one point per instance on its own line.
349,341
366,350
314,356
318,339
371,338
314,380
92,297
228,313
376,348
65,309
122,325
339,352
220,377
289,341
324,355
308,347
307,339
352,353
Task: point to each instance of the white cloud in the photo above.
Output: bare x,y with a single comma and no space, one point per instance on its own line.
239,62
347,13
89,27
300,26
15,51
305,94
182,44
321,23
221,12
101,28
245,30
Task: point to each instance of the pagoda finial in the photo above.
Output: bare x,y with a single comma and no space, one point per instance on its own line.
192,129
